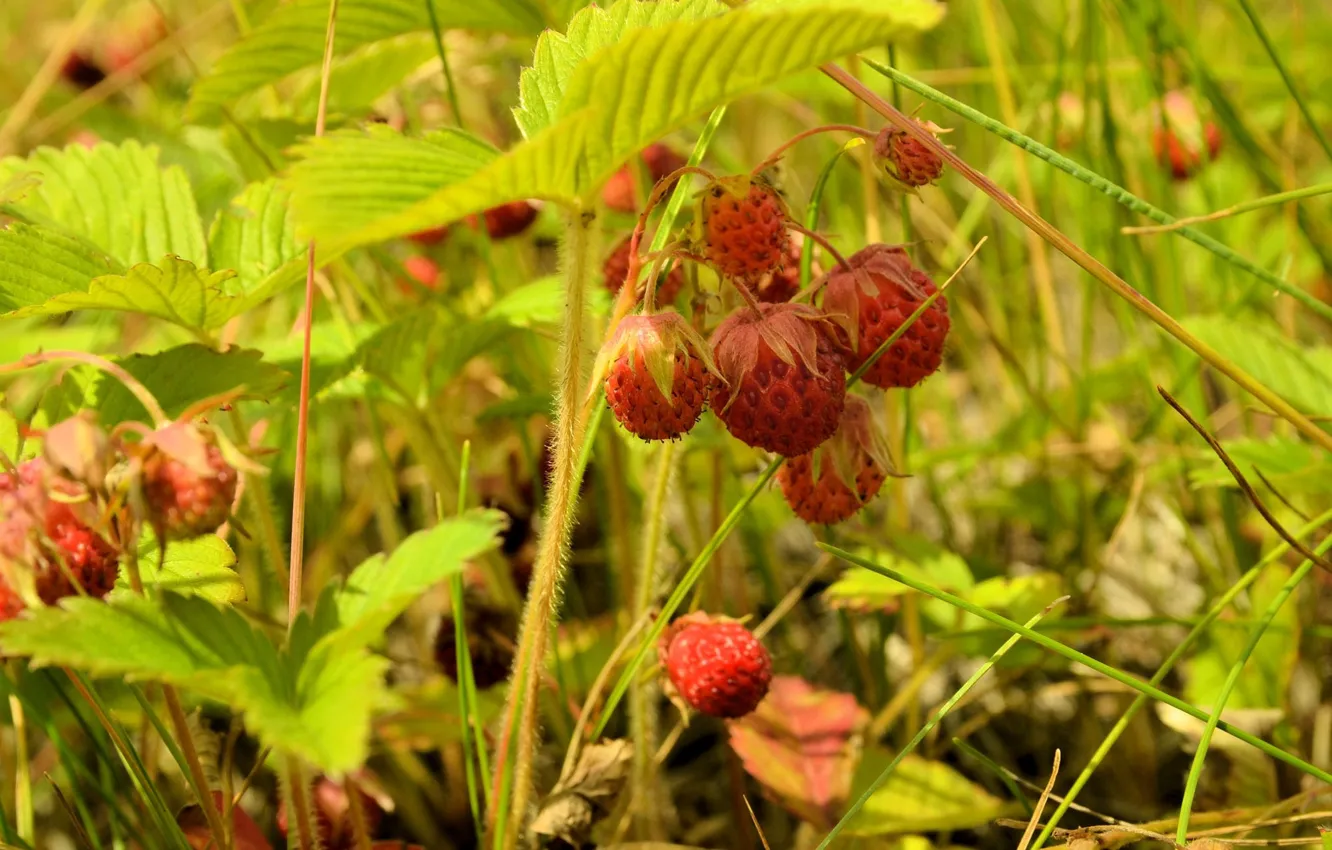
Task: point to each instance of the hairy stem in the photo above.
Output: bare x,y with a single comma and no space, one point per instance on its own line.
180,725
552,554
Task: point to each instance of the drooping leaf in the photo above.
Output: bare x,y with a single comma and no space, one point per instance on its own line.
920,796
117,197
319,710
621,98
204,566
292,38
558,55
1270,358
802,745
382,587
38,264
181,376
172,289
256,237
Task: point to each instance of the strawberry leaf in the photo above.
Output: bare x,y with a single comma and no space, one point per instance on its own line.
183,375
1270,358
256,236
920,796
802,745
39,263
204,566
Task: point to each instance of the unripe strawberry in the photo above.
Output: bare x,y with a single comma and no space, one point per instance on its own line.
715,665
840,477
1180,138
906,160
784,385
618,193
658,373
741,227
879,291
188,485
490,634
616,269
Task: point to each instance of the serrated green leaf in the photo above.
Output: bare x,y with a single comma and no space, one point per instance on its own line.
204,566
181,376
1290,465
292,38
540,302
619,100
862,589
115,196
920,796
37,264
357,81
382,587
256,237
1269,357
348,180
558,55
174,290
318,711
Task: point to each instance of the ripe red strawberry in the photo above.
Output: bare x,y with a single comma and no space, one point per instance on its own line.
785,387
81,70
741,227
618,193
1180,137
423,270
715,665
188,485
658,373
841,476
616,268
429,236
876,295
509,219
908,161
490,639
783,284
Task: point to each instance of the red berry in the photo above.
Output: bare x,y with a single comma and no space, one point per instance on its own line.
490,639
188,486
1180,138
81,71
743,225
850,470
715,665
876,295
429,236
423,270
783,284
616,268
657,377
618,193
906,159
784,387
509,219
332,811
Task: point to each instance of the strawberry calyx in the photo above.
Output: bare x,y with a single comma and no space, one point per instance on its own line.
657,338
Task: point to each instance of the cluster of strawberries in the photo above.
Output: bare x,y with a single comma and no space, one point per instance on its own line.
67,515
774,370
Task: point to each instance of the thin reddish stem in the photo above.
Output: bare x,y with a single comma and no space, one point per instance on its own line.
799,137
659,191
823,243
131,383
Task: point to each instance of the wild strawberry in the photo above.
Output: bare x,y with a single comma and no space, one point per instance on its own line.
616,269
657,372
509,219
784,387
429,236
906,160
715,665
841,476
423,270
879,291
618,193
783,284
245,833
188,485
490,641
1180,137
331,806
81,71
741,226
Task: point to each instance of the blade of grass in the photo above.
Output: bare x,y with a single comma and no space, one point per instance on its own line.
1071,654
1111,190
463,656
1272,53
1237,209
816,204
934,720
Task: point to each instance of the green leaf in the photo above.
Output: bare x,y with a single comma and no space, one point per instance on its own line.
173,290
920,796
292,38
115,196
621,98
558,55
256,237
181,376
540,302
382,587
348,180
1290,465
862,590
204,566
38,264
318,710
357,81
1269,357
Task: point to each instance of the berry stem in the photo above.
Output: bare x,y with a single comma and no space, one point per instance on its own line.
131,383
299,804
356,807
823,242
198,779
650,287
805,134
745,294
659,191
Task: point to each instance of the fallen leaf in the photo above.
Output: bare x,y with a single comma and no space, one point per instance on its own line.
802,744
586,795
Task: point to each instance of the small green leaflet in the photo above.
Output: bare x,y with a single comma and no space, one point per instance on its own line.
1270,358
204,566
256,237
38,264
183,375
